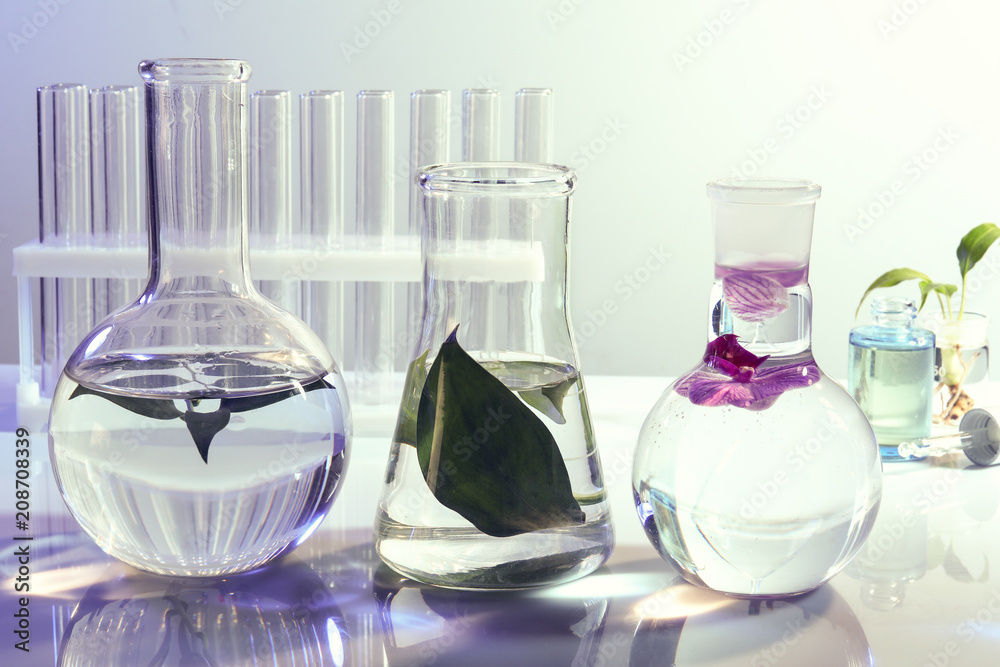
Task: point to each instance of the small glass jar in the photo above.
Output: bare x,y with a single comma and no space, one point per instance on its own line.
891,374
962,364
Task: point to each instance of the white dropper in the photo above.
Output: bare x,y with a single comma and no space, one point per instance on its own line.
978,437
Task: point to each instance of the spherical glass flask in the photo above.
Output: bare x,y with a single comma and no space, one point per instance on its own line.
200,430
756,474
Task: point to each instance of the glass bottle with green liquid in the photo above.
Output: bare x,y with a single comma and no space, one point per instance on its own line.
891,374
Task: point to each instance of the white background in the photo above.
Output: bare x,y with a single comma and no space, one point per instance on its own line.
653,99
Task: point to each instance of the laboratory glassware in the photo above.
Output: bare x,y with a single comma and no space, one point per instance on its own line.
375,351
890,373
494,478
756,474
200,430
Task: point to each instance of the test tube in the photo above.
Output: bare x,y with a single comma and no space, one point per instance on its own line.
67,307
118,217
429,144
374,350
481,143
533,142
978,437
533,123
321,132
271,223
480,125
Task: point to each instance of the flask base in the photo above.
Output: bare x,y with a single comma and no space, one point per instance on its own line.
466,559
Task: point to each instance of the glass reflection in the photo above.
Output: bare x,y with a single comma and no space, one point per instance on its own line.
282,615
422,625
930,517
685,626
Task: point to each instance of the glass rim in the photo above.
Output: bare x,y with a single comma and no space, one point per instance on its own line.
195,70
974,316
972,329
782,191
501,178
893,304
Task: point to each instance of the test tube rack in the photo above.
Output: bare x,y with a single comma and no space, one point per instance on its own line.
91,257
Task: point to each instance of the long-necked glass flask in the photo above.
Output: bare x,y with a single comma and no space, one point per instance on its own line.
200,430
755,473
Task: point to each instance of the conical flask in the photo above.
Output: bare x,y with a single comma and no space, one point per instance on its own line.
494,479
755,473
200,430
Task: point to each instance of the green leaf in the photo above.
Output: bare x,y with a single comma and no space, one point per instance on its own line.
255,402
975,244
926,287
486,455
890,278
154,408
549,399
406,424
203,426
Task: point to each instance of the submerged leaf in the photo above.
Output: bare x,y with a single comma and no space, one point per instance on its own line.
257,401
203,426
406,424
549,399
486,455
154,408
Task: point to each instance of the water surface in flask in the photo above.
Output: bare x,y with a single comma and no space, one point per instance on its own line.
200,474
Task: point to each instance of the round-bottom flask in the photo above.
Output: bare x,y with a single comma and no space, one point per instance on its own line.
200,430
756,474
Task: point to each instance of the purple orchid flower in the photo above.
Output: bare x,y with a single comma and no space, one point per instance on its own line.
754,297
736,380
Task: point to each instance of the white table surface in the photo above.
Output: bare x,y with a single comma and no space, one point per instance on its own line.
922,592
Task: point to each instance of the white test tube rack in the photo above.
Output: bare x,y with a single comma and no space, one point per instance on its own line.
304,258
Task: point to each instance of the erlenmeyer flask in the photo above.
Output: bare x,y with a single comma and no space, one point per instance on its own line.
494,479
200,430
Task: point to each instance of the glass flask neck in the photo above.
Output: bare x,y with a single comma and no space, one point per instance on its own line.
495,260
763,233
200,327
894,312
196,134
